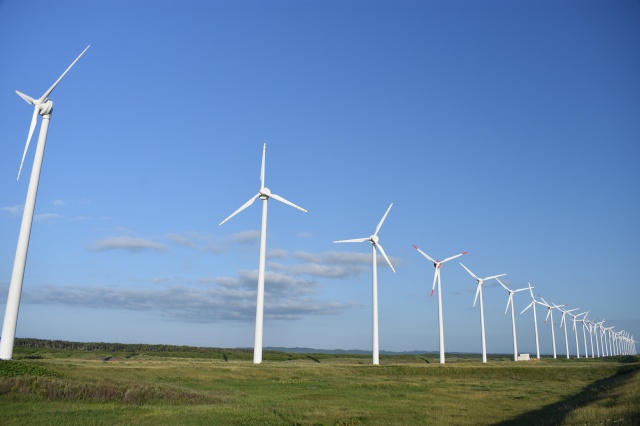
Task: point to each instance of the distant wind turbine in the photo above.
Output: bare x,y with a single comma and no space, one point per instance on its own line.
436,277
374,240
513,318
550,312
535,319
44,108
264,194
584,333
481,281
566,338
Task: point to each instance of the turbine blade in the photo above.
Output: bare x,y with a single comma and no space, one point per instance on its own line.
424,254
48,92
26,147
548,313
385,256
264,153
504,286
477,292
494,276
355,240
382,220
509,302
528,306
454,257
435,277
244,206
282,200
562,320
27,98
471,273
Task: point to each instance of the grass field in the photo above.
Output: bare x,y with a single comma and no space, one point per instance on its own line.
189,386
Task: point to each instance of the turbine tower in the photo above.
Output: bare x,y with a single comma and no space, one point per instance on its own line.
535,319
436,277
44,108
513,317
264,194
480,281
374,240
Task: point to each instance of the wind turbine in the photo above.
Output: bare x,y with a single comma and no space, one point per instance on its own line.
513,318
584,333
535,319
480,281
566,339
374,240
264,194
436,277
550,312
575,331
43,107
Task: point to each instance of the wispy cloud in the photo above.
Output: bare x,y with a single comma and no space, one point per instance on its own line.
127,243
182,239
47,217
14,210
315,269
222,299
353,260
212,243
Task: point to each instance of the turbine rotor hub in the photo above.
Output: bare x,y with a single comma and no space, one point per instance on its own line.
265,193
45,107
374,239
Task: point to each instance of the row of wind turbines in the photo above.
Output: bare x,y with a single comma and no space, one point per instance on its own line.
611,343
616,342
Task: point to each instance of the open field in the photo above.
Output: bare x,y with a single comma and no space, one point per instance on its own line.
125,384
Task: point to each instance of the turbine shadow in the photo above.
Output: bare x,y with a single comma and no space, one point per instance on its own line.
555,414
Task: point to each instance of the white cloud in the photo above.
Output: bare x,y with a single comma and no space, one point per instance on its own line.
46,217
127,243
315,269
14,210
181,239
276,254
246,237
227,299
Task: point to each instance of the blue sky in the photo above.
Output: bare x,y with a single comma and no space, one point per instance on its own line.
508,129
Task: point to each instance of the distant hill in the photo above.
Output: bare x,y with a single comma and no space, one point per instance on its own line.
342,351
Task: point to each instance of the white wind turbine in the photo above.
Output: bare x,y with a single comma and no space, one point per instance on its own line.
575,332
480,281
513,318
584,332
566,338
436,277
590,327
550,312
43,107
535,319
594,330
264,194
374,240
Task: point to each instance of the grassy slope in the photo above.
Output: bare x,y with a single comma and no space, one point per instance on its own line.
80,387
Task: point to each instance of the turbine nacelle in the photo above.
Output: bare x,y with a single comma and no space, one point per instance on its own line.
264,193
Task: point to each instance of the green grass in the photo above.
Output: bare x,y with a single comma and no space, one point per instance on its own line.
61,386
